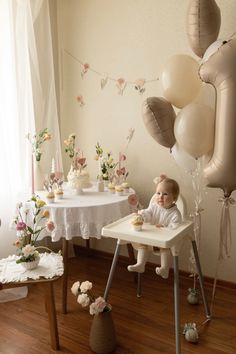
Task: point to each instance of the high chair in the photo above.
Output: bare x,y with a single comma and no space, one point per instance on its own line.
182,206
162,238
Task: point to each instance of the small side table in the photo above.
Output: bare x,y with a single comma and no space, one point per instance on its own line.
49,270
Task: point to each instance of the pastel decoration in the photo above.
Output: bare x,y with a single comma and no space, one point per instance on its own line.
180,80
203,24
183,159
220,71
194,129
212,49
159,116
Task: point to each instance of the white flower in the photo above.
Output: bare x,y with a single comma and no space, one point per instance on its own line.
75,288
83,300
28,250
93,310
85,286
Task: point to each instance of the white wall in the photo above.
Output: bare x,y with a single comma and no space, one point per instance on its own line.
132,39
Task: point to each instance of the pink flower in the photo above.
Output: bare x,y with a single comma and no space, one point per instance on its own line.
18,243
86,66
50,226
121,171
133,199
97,306
20,226
120,81
80,100
81,161
122,157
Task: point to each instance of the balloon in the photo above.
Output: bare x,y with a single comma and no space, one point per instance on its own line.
159,117
203,25
220,71
180,80
183,159
212,49
194,129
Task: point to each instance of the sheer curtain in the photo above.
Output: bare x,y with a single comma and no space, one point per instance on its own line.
27,102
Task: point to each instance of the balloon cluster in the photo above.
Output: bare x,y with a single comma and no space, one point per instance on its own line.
197,130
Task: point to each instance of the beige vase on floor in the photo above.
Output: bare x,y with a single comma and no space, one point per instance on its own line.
102,339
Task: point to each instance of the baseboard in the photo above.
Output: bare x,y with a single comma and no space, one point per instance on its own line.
79,250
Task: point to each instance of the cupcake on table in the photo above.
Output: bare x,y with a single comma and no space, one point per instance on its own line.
125,186
119,190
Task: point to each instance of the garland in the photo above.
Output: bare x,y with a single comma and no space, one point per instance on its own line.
121,83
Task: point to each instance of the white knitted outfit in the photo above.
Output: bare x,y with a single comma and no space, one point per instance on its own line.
154,215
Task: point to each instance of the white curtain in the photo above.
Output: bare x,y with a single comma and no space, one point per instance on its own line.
27,102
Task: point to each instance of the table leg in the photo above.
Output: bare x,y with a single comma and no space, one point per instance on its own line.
50,306
65,243
112,270
195,251
177,305
139,285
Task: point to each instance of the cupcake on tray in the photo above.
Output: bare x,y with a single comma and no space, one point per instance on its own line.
137,222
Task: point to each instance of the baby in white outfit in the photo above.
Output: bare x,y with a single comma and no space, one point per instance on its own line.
162,212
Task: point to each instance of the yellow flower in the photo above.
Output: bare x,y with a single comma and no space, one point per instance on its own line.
46,214
40,203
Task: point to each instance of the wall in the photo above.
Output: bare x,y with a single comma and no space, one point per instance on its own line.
132,39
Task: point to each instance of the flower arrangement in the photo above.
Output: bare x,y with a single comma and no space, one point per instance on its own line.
52,182
107,164
86,298
121,171
75,154
28,228
37,140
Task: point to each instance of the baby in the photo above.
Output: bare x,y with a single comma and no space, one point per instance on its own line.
162,212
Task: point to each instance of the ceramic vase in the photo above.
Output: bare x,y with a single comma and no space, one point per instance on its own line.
193,296
38,176
102,339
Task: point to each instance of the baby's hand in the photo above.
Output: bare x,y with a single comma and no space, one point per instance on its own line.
159,225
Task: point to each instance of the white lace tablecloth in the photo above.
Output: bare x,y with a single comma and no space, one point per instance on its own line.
85,215
50,265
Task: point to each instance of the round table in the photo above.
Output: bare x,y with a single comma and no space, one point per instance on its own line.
84,216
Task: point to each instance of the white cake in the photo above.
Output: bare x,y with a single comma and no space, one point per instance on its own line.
78,179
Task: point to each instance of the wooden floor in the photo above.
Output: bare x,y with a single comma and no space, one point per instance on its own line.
143,325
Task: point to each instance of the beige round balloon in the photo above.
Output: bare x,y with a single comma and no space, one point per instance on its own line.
180,80
194,129
159,117
220,71
203,24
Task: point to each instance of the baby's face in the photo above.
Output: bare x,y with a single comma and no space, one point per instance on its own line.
164,194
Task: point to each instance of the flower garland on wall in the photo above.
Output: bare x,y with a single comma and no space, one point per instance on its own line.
120,83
